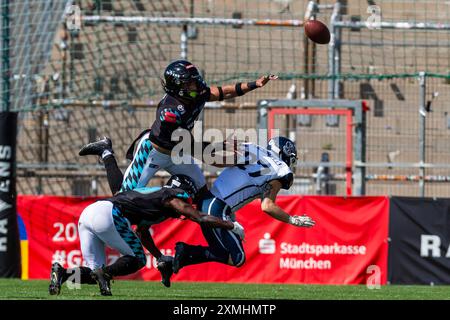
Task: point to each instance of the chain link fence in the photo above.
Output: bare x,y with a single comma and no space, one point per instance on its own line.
72,85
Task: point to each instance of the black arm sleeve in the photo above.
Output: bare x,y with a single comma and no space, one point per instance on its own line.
220,93
286,181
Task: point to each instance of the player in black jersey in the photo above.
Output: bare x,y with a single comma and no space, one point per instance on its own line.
186,95
108,223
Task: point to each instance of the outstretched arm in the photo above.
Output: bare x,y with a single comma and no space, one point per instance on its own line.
230,153
147,241
238,89
204,219
269,206
164,265
216,151
189,212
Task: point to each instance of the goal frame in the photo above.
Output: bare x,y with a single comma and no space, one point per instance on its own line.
354,112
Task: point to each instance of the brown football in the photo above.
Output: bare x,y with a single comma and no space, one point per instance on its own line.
317,31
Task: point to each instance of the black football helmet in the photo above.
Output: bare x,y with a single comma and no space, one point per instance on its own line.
183,182
285,149
182,79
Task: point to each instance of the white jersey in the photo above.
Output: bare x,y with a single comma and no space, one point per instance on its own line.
241,184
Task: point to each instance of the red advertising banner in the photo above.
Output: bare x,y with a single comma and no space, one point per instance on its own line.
348,245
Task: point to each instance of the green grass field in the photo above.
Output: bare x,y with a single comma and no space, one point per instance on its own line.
134,290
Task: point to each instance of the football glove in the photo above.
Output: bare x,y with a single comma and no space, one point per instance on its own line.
302,221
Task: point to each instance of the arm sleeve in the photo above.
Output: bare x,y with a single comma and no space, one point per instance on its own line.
207,94
285,176
286,181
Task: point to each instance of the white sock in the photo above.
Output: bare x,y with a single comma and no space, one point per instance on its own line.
106,153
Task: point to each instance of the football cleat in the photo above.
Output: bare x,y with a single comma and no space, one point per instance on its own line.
56,279
103,279
180,256
302,221
96,148
165,267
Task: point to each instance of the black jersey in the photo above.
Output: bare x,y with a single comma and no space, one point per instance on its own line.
146,205
172,114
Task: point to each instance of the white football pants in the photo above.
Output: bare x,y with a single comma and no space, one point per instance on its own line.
147,161
102,224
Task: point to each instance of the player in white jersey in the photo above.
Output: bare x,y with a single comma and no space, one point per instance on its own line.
262,173
239,185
